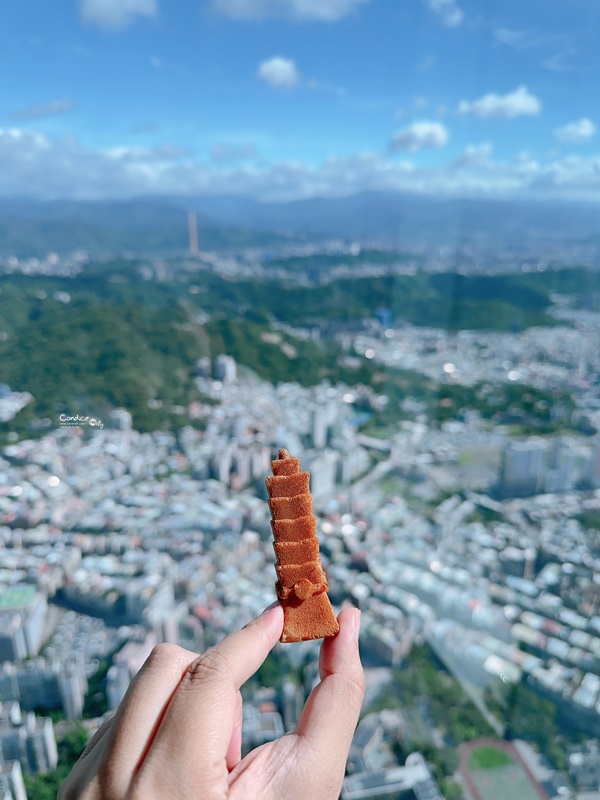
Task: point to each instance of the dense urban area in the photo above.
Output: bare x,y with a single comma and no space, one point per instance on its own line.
449,418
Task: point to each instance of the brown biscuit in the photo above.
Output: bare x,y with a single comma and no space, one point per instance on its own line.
308,619
289,574
285,466
291,507
302,583
296,552
289,485
294,530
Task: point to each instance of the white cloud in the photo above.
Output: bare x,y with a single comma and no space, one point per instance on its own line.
579,131
41,110
63,168
503,106
330,88
114,15
319,10
561,61
229,152
279,72
420,136
449,13
474,155
519,40
162,154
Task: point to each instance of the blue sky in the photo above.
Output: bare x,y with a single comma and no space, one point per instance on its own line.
281,99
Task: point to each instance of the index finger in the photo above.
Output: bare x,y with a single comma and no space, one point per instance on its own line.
198,723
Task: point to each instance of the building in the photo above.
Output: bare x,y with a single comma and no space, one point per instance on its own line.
12,786
292,698
29,740
117,683
412,780
42,683
12,638
260,724
323,469
193,233
225,369
120,419
523,467
320,426
584,766
22,616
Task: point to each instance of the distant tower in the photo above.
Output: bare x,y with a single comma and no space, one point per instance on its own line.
193,229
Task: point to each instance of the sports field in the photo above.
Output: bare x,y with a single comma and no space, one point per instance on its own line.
16,597
494,771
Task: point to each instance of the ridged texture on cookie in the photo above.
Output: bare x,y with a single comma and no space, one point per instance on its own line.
302,583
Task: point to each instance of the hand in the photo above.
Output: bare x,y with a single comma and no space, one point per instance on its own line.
177,734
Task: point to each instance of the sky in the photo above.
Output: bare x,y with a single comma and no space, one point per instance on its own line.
287,99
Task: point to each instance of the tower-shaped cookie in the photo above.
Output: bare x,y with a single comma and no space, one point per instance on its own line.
301,585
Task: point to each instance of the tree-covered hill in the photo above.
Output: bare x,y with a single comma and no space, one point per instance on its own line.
444,300
111,337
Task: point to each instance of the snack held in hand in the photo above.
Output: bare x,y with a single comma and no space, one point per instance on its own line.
301,585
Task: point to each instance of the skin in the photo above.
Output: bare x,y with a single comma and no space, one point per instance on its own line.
177,734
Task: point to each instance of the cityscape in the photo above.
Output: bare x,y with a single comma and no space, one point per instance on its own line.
365,232
471,546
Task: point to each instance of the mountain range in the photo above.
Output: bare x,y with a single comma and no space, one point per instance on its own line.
160,224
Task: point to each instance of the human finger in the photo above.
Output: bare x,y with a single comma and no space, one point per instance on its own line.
82,780
198,724
234,751
102,731
137,719
331,712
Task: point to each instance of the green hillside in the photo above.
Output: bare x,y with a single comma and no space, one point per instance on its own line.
123,340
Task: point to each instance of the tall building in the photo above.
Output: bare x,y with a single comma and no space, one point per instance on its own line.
594,465
193,233
121,419
562,473
22,615
323,471
31,741
12,638
523,467
117,683
292,697
320,425
225,369
12,786
40,683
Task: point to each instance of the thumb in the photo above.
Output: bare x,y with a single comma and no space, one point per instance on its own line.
331,712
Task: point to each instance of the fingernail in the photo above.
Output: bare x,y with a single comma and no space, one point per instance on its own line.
268,608
357,615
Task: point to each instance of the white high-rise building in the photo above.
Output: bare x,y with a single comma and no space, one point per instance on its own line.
226,369
524,467
31,741
121,419
562,474
323,469
12,786
319,426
